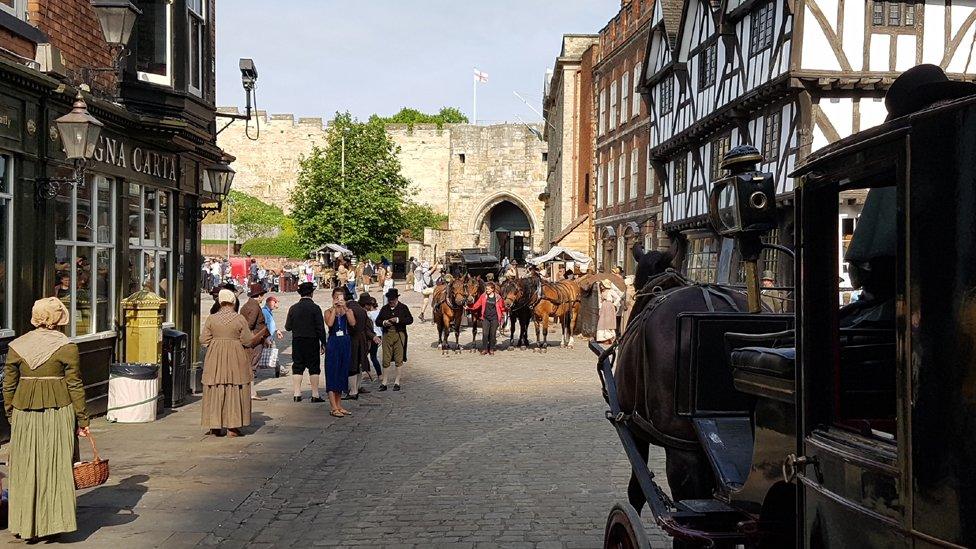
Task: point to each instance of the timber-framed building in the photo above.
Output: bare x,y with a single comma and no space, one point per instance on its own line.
787,76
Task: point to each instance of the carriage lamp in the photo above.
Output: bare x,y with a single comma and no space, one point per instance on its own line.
743,206
217,180
79,132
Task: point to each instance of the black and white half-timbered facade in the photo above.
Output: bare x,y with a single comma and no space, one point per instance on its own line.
786,76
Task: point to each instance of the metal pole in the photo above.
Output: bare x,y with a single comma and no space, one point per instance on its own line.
474,108
229,202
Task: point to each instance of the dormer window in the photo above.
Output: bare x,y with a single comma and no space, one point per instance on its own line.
17,8
196,25
154,33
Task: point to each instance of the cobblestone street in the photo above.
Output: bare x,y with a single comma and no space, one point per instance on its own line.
504,451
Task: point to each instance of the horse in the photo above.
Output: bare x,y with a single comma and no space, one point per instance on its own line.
519,300
560,300
448,303
644,372
473,288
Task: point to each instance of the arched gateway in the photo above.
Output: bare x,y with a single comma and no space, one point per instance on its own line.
505,227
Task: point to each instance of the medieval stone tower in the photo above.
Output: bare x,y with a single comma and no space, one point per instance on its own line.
486,179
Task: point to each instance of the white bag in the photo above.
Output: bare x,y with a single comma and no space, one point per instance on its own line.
269,357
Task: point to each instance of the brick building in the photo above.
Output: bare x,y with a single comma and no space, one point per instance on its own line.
627,208
127,219
568,112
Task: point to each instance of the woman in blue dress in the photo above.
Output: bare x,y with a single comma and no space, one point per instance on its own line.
338,351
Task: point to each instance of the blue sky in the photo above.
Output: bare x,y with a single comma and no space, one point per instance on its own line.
316,57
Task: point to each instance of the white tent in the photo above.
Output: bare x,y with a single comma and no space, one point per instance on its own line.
559,253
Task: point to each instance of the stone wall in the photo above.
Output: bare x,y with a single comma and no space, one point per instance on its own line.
459,170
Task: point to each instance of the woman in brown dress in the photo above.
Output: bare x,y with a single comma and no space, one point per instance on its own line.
227,372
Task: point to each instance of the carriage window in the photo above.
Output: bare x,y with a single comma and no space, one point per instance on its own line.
864,380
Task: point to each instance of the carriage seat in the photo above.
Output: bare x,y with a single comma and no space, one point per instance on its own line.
776,362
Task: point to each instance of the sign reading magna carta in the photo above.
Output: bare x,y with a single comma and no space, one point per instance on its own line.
116,152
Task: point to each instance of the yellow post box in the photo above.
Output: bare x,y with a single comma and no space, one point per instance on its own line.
143,327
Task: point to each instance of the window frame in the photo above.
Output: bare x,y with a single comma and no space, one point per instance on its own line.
682,162
613,107
18,10
717,151
762,19
707,66
73,245
160,79
156,248
634,168
621,176
611,180
603,112
881,12
201,18
701,258
771,139
667,99
625,98
636,101
7,203
649,178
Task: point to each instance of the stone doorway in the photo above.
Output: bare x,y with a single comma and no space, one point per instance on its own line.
510,230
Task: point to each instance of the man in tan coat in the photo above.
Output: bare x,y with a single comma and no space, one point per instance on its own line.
251,311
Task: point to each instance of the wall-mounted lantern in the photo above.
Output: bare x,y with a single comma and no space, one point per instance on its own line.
79,132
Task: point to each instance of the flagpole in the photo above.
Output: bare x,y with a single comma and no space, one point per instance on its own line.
474,109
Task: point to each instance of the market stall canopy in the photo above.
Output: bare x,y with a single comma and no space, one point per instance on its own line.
559,253
333,248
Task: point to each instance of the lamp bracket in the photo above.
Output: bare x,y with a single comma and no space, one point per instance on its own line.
48,187
201,212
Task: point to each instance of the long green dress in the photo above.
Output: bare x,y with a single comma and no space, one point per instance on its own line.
43,406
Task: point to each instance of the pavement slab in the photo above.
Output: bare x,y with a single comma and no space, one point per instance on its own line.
505,451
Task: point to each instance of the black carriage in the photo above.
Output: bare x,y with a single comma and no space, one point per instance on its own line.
848,426
472,261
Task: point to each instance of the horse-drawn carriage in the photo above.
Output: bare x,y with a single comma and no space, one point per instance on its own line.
477,262
833,427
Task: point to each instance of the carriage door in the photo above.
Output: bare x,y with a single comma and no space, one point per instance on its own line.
519,251
847,467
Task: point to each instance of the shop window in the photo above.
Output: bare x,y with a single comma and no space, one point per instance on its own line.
762,27
154,33
151,243
17,8
84,271
701,259
196,27
6,241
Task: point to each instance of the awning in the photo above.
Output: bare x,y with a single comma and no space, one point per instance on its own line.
333,248
559,253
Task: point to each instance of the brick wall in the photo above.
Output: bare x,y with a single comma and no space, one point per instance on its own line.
73,28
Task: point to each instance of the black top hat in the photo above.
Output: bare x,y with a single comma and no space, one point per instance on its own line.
256,290
393,293
366,299
305,289
920,87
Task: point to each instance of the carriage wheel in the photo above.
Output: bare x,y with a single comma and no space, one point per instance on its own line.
624,529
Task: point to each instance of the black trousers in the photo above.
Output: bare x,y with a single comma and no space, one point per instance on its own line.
489,329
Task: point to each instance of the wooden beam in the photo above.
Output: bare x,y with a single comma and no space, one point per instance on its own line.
832,38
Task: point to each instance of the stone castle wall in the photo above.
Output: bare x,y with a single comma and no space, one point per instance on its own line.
459,170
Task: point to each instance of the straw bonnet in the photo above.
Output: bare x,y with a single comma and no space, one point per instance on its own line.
606,284
226,296
49,312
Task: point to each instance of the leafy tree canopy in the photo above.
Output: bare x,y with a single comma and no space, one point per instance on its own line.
360,209
417,217
249,216
447,115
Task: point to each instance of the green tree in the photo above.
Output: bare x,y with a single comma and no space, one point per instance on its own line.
408,116
249,216
361,210
417,217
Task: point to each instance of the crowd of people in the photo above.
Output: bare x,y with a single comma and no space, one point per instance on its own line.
347,337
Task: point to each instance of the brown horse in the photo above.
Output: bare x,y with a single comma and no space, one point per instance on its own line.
556,300
644,372
448,303
519,301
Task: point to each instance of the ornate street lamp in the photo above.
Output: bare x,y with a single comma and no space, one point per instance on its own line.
79,132
117,17
217,180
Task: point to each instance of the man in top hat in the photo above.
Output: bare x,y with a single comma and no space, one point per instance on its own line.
251,311
394,318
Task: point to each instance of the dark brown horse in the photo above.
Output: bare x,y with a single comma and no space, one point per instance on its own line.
448,303
519,301
559,301
644,371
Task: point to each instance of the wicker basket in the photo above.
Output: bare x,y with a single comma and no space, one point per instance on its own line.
89,474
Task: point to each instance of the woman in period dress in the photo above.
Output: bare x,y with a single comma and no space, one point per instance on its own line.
338,351
227,374
606,326
44,399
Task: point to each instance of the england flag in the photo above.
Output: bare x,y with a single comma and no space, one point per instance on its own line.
480,76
